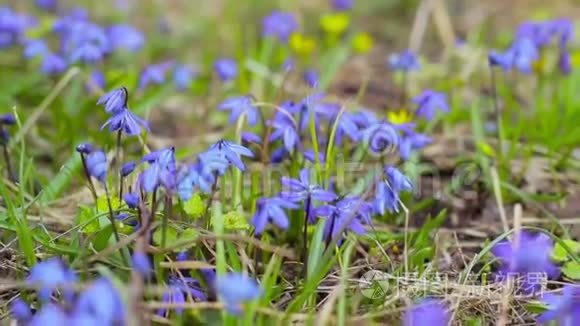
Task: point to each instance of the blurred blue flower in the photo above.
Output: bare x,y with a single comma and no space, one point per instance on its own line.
162,170
298,190
177,290
311,77
84,148
234,289
85,41
520,55
310,156
565,62
154,74
238,105
103,302
114,101
347,126
35,48
411,142
284,128
183,76
226,69
429,312
232,152
49,5
125,37
397,180
142,264
131,199
404,61
52,64
7,119
342,5
429,102
526,256
271,210
96,81
387,191
126,121
348,214
250,137
49,275
381,138
364,118
279,24
13,26
564,308
127,168
49,314
20,310
97,165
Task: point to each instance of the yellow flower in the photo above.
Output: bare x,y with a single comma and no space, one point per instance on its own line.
362,42
335,23
302,45
399,117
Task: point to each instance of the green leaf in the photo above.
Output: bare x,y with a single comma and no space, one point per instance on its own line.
61,180
572,270
235,221
89,220
560,254
170,236
194,207
101,239
103,205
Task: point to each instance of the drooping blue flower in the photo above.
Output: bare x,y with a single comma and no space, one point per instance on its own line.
84,148
239,105
311,77
96,82
563,28
13,26
97,165
20,310
564,308
35,48
226,69
126,121
52,64
103,302
298,190
364,118
50,314
565,62
127,168
250,137
539,32
50,275
161,171
429,312
177,291
347,126
183,76
285,128
125,37
131,199
381,138
84,41
114,101
271,210
348,214
429,102
232,152
397,180
154,74
142,264
7,119
280,25
387,191
404,61
234,289
342,5
528,255
520,55
412,142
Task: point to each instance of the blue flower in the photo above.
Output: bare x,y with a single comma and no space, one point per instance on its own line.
298,190
49,275
565,308
347,126
96,81
249,137
50,314
280,25
126,121
364,118
311,77
52,64
526,256
239,105
125,37
84,148
342,5
162,170
271,210
310,156
20,310
226,69
387,191
114,101
565,62
97,165
103,302
85,41
131,199
177,291
49,5
7,119
13,26
154,74
234,289
412,142
127,168
35,48
232,152
397,180
182,77
429,102
351,210
142,264
381,137
404,61
284,128
521,55
428,312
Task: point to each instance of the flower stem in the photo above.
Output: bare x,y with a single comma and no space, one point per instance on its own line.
496,111
305,237
168,211
118,149
88,176
111,215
